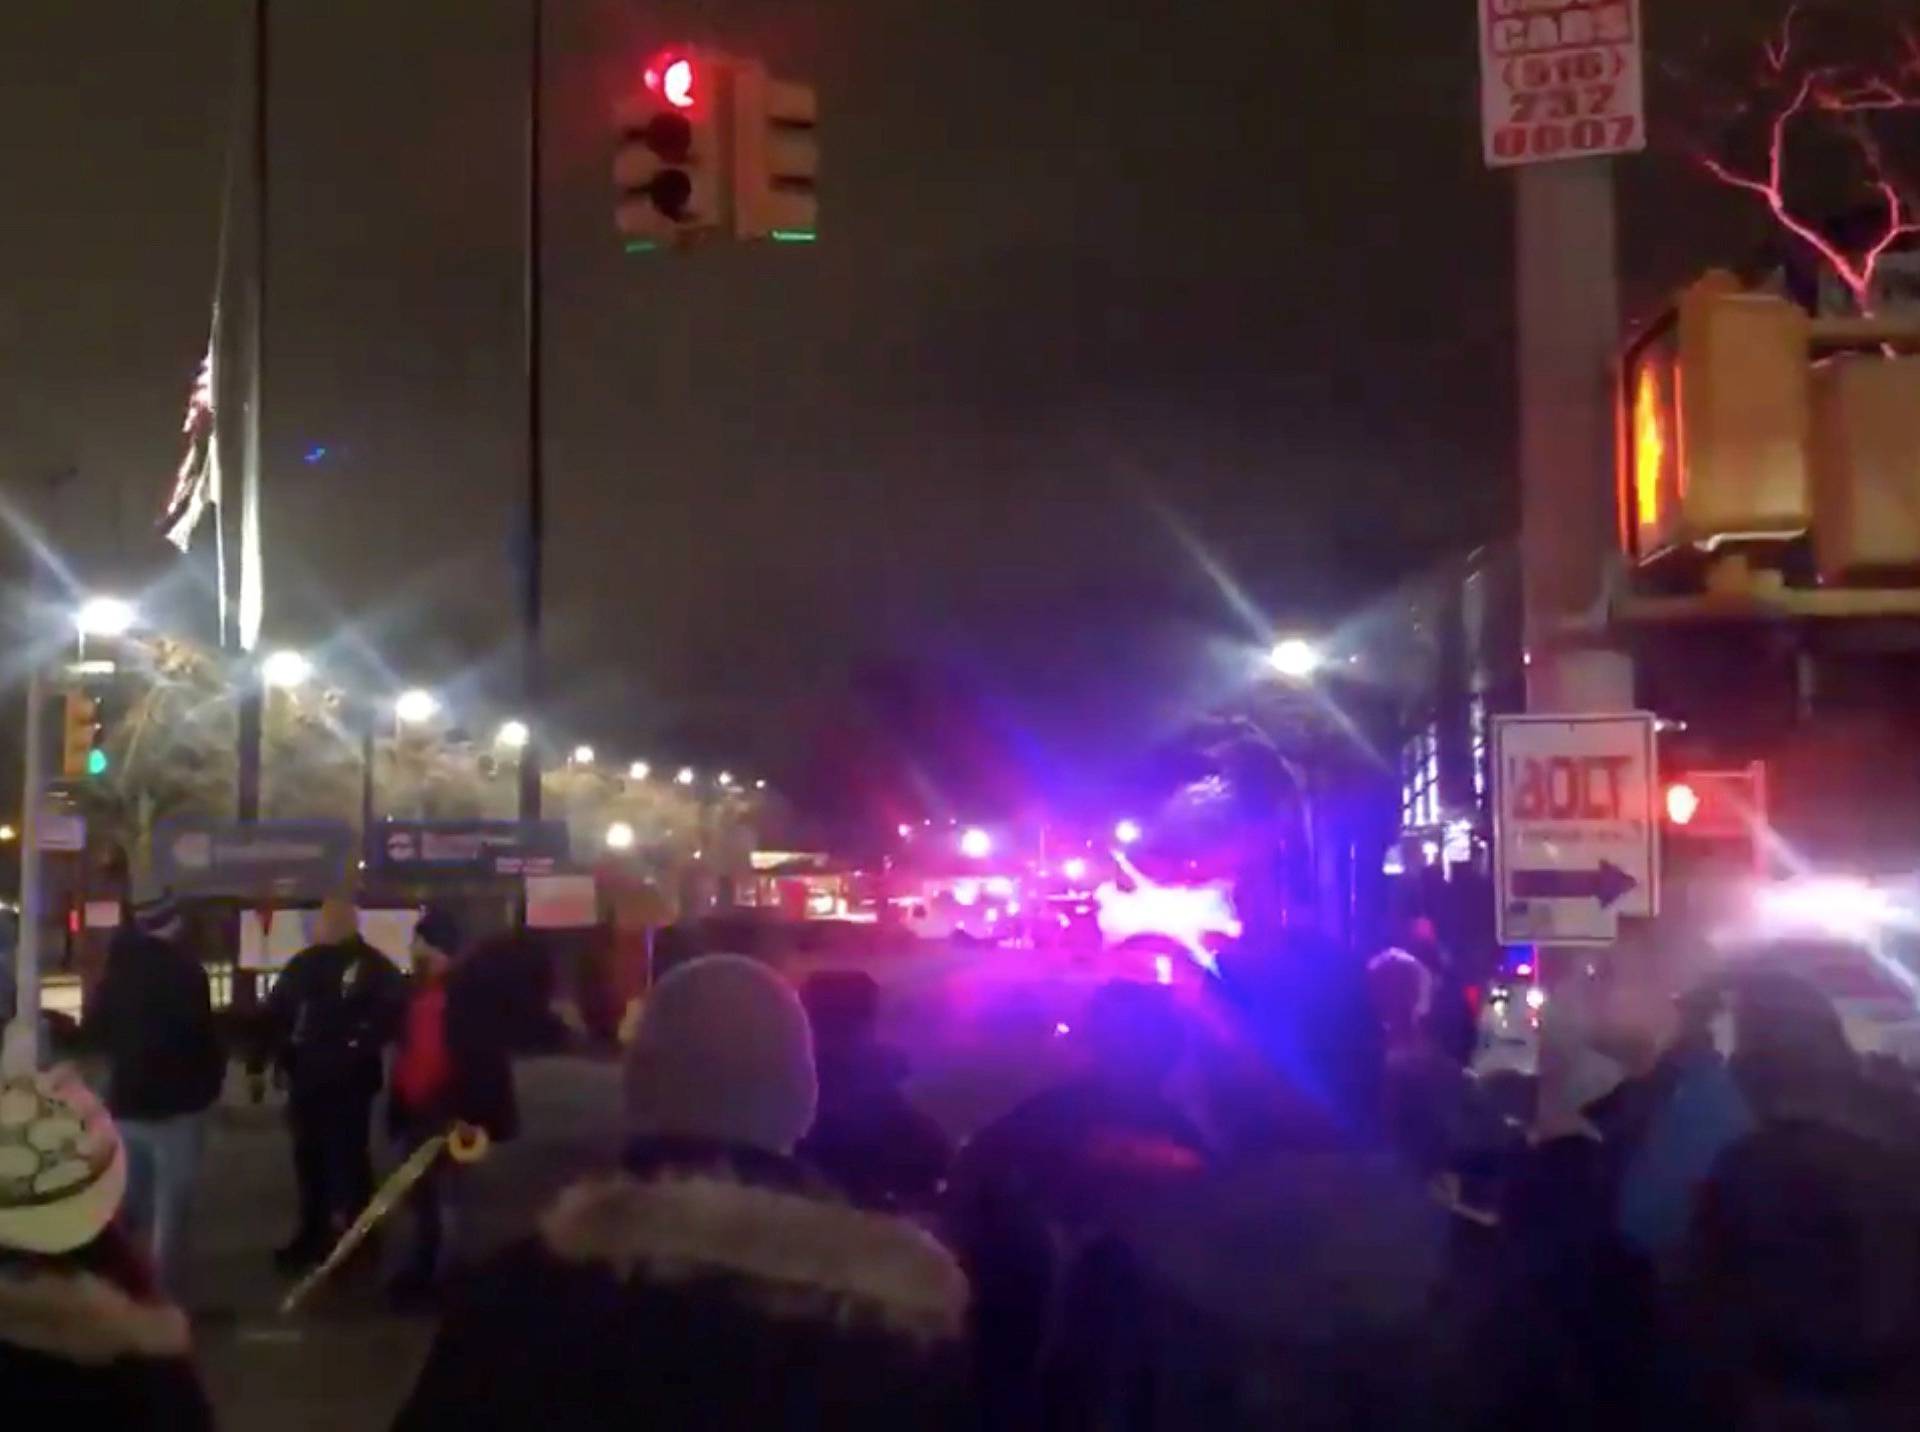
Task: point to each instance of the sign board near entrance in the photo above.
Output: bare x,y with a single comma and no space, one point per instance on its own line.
1560,79
1576,826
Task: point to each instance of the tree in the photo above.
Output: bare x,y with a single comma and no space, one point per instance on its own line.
1821,124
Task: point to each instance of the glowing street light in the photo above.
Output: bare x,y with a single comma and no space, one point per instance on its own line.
8,833
513,735
286,669
725,778
639,771
1128,832
619,836
975,843
417,706
1296,658
1074,868
686,777
105,616
760,785
583,755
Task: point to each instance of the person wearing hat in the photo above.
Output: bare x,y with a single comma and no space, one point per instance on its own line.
152,1018
451,1065
85,1339
710,1280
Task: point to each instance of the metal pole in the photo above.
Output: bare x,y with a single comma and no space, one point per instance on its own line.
1568,307
532,672
21,1054
251,724
368,716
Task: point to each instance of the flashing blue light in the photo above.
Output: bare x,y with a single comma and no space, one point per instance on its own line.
314,455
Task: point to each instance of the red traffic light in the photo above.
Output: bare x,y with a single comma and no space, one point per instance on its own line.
1683,803
673,76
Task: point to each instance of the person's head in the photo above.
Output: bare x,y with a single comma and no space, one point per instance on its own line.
1402,990
63,1171
1422,933
843,1006
723,1054
152,911
337,922
436,941
1133,1034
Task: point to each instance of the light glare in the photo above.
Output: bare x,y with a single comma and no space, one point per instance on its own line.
105,616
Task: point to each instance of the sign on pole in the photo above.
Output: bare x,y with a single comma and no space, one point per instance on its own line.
1560,79
271,860
467,849
1576,826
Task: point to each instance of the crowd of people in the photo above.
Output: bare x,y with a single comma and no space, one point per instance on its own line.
1279,1202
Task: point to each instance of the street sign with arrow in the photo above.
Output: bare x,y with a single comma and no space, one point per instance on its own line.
1576,829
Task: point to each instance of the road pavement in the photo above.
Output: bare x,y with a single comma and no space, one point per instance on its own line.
982,1029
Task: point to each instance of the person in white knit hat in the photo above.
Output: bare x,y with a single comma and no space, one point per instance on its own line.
84,1336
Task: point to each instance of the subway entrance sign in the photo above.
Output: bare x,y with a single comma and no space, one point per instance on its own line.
1576,826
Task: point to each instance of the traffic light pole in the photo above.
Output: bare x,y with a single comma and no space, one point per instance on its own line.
21,1051
1568,311
533,553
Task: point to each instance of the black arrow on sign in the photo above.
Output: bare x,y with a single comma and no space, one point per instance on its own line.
1606,883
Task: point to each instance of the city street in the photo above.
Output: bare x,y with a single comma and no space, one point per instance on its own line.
980,1028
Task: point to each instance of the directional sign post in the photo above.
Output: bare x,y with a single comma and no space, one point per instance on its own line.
1577,833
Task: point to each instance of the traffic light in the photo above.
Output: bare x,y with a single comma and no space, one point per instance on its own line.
1866,465
1715,419
670,167
1720,817
776,157
79,736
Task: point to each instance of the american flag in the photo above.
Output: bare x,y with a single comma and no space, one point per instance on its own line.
197,484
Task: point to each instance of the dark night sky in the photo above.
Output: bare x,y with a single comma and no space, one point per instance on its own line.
1083,265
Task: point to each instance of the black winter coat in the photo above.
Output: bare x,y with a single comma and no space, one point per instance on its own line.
702,1287
78,1350
331,1013
153,1019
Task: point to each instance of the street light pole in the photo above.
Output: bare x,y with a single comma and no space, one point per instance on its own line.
532,671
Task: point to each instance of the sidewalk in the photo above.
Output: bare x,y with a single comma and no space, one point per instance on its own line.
344,1362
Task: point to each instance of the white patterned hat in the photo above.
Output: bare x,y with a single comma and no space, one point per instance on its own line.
63,1171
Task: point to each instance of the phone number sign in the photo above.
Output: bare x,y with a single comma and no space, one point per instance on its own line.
1560,79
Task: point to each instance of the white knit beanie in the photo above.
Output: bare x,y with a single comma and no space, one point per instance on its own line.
723,1053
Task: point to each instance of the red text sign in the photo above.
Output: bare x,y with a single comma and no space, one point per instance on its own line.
1560,79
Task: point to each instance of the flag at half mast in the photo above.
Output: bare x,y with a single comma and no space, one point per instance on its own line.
196,486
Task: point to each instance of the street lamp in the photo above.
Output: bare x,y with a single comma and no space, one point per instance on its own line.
686,776
1296,658
725,778
286,669
620,836
1127,832
8,834
975,843
417,706
583,755
105,616
514,735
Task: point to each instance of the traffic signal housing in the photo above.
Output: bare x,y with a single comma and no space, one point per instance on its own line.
1720,818
776,157
670,167
1715,418
80,754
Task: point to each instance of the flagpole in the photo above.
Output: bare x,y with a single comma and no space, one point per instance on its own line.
247,783
533,539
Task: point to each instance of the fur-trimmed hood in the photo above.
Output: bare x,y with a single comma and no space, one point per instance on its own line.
786,1254
80,1318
